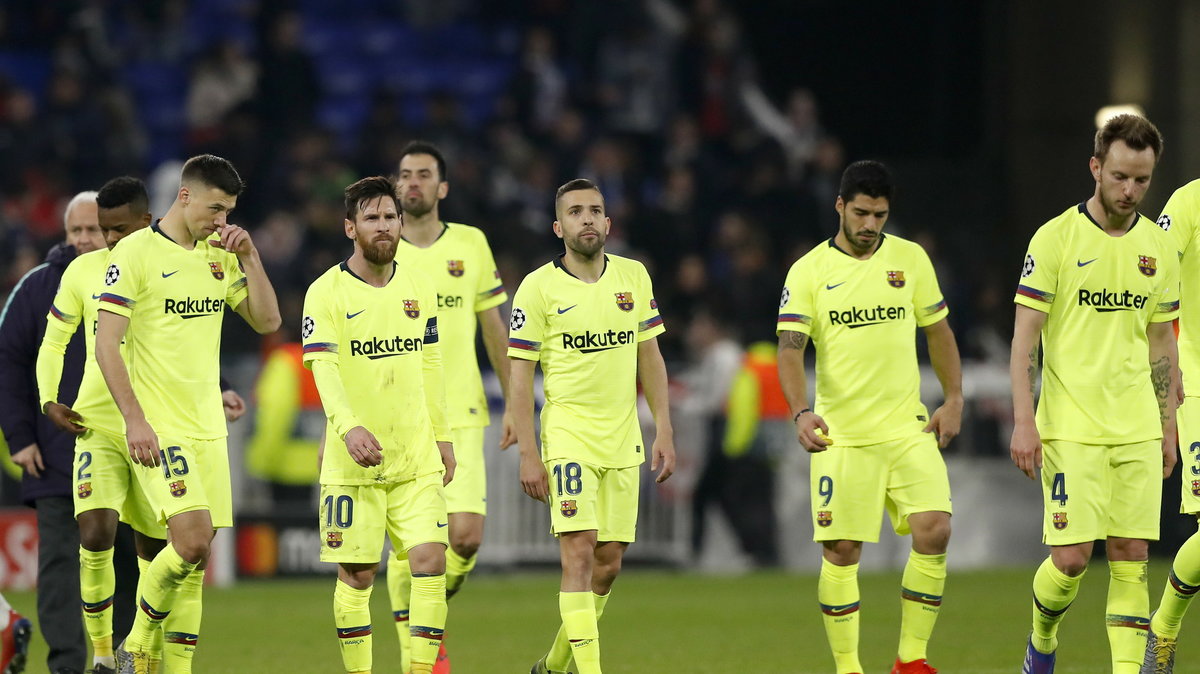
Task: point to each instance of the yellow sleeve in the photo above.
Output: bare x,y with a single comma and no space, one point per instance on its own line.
1039,273
333,396
123,281
930,304
435,382
650,322
1167,307
61,323
527,324
490,292
796,306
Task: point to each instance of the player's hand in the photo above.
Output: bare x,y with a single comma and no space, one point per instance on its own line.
534,481
663,453
143,443
806,430
363,447
1169,450
946,421
1026,448
448,460
65,418
234,239
508,431
234,406
30,460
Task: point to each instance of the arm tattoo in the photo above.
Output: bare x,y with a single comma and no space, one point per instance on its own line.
1160,376
790,339
1032,369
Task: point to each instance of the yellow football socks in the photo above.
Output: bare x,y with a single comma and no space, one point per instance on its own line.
352,618
1053,592
920,602
181,632
427,618
559,657
578,611
1127,615
457,570
1182,584
837,593
157,592
399,591
97,583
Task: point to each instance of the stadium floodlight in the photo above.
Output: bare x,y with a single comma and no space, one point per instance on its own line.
1109,111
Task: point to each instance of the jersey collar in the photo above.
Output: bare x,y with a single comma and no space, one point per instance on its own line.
882,238
445,228
1137,217
344,266
558,263
158,229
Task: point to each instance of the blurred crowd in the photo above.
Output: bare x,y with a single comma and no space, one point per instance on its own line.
714,182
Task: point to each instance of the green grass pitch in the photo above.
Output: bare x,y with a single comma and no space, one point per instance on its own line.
661,622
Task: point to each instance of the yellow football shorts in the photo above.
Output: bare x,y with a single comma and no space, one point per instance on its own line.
584,497
104,479
194,475
467,492
1091,492
851,485
355,518
1188,417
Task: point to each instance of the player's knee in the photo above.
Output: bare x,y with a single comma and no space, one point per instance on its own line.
935,537
193,549
843,553
97,530
606,571
465,545
1072,565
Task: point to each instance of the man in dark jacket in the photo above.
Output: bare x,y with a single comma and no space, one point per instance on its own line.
45,453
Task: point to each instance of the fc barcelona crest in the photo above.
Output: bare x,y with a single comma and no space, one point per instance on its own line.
85,489
333,539
217,272
1059,520
824,518
178,489
896,279
1196,487
411,308
568,508
455,267
1147,265
625,301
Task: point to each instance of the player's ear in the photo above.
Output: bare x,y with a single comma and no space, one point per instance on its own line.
443,189
146,218
607,224
1095,165
558,231
184,194
839,205
349,229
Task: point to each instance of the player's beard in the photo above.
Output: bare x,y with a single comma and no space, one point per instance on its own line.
852,239
586,248
419,207
1111,207
380,251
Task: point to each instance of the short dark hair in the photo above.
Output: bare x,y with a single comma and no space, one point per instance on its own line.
366,190
1136,131
574,186
425,147
124,190
213,171
867,177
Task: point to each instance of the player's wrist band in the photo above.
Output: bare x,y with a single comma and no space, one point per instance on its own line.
797,417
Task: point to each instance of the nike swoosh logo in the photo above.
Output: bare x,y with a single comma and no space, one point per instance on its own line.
442,526
563,311
165,274
831,287
95,297
352,315
1084,264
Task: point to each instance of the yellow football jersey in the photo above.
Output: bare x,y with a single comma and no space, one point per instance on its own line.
585,335
862,316
75,303
1100,293
175,300
384,342
464,273
1180,219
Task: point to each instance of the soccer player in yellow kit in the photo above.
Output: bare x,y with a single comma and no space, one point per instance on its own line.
859,297
1180,219
105,486
469,292
592,321
164,292
1098,291
370,336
